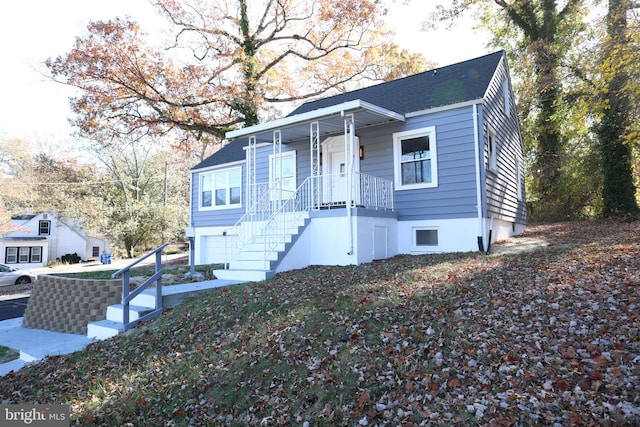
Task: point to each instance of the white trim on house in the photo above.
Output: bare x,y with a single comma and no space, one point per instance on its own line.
314,115
476,142
454,235
228,181
398,138
444,108
221,166
492,146
286,176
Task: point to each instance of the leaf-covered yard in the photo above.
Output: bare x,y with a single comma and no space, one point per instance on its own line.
540,338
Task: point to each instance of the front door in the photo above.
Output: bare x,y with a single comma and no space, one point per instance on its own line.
334,170
338,178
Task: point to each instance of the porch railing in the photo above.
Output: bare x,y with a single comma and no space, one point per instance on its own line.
265,221
128,295
367,191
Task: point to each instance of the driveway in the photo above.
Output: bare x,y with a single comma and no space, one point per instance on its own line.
12,306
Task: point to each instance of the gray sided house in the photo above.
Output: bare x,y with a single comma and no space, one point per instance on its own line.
428,163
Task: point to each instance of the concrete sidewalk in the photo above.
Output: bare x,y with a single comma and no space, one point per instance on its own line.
36,344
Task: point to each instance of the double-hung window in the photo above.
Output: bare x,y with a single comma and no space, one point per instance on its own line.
23,255
44,228
36,254
221,189
415,159
11,256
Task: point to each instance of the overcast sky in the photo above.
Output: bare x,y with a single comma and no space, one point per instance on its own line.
33,30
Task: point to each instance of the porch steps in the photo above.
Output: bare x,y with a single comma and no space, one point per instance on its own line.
145,303
112,325
103,329
257,261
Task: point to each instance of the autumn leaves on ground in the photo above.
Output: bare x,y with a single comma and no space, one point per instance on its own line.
550,336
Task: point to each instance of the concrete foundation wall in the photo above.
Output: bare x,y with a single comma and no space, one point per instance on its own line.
67,305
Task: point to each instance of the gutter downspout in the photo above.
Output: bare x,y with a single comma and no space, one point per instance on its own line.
476,142
192,237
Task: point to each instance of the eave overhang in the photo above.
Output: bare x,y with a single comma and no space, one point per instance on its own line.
296,128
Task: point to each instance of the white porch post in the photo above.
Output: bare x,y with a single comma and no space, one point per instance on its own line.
349,138
277,170
314,142
251,176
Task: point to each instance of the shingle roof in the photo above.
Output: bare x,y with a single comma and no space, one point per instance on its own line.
452,84
232,152
447,85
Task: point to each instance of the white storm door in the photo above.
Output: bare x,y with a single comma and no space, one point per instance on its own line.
335,169
338,178
282,176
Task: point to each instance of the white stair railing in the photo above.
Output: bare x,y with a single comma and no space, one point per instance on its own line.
269,221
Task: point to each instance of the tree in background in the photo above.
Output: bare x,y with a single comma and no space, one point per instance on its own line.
540,34
138,198
615,130
226,64
143,204
45,181
576,80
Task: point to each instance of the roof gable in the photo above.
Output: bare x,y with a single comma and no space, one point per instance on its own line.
451,84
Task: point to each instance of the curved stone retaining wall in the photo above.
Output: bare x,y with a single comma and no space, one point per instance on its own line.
65,304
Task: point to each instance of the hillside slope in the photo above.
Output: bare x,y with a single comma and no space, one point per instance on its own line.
544,337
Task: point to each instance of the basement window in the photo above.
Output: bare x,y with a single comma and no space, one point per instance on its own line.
425,237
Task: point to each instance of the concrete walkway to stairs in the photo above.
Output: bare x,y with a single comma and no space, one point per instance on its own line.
36,344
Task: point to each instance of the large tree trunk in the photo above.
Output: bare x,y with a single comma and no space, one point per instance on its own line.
618,192
550,139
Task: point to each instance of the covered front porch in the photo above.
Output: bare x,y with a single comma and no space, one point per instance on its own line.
332,177
331,194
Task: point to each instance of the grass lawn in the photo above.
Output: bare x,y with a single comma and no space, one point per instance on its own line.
8,354
542,338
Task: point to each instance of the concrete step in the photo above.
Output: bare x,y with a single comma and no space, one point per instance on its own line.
288,229
260,247
250,255
104,329
147,298
27,357
272,240
115,312
244,275
250,264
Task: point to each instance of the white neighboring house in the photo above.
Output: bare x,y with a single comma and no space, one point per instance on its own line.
44,237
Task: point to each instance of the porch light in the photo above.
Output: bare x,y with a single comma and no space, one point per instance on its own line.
361,152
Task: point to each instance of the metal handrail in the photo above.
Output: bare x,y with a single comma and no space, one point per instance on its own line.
252,214
128,295
267,222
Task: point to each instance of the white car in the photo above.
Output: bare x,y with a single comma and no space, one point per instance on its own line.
14,276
